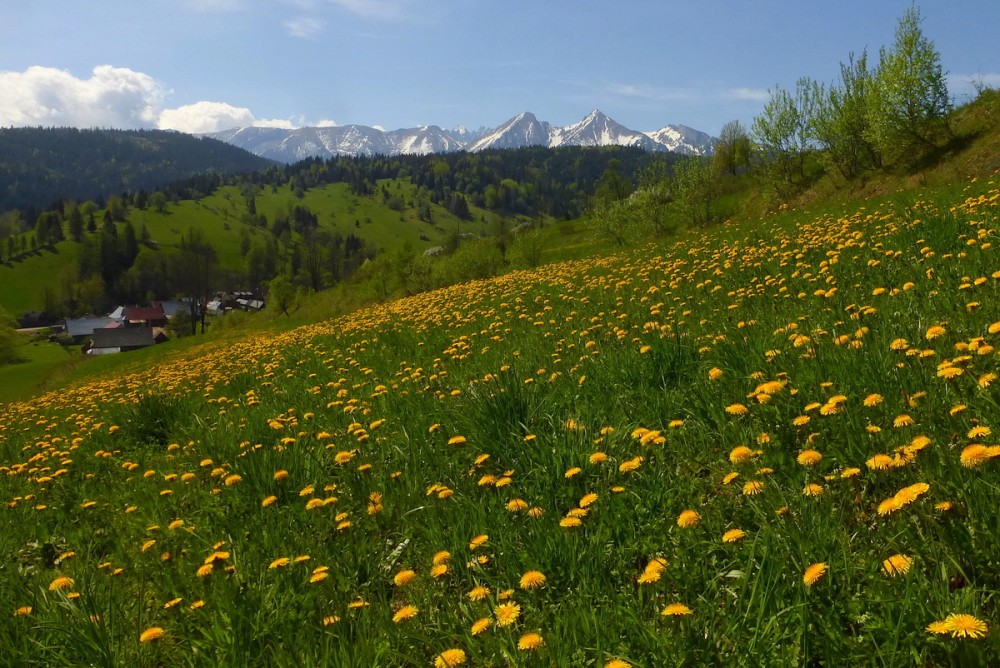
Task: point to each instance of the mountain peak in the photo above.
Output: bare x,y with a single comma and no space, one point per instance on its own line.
596,129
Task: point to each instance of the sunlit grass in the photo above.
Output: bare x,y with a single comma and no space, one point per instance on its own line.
771,443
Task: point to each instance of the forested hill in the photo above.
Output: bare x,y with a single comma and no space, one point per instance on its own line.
41,165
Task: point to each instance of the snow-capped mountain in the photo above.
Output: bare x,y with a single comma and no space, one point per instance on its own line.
597,129
326,142
682,139
520,131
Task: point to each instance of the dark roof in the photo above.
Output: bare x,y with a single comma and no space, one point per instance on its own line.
85,326
147,313
123,337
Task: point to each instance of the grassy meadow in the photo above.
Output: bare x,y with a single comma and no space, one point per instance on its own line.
769,443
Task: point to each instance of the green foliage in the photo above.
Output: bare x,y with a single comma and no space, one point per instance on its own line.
41,165
910,103
10,341
696,188
282,296
732,149
841,124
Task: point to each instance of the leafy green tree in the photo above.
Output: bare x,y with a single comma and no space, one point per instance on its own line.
696,188
732,149
10,340
158,201
841,122
910,102
194,268
76,224
282,295
782,133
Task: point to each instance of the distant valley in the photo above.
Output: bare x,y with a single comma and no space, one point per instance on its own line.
523,130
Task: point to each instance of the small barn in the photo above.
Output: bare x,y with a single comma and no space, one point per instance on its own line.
119,340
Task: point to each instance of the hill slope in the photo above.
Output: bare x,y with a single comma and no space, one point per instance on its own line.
769,440
41,165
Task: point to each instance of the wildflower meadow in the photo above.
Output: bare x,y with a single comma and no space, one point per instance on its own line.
771,443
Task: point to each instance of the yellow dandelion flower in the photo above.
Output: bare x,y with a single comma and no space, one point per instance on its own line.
974,455
965,626
934,332
329,620
714,373
598,458
507,613
530,641
456,440
733,535
631,465
809,458
439,570
480,625
902,421
151,634
232,479
478,541
939,627
676,610
617,663
268,500
979,431
740,454
872,400
812,489
879,462
205,570
450,658
404,577
23,610
588,499
478,593
813,573
888,506
404,613
729,477
753,487
532,580
570,522
572,471
196,605
280,562
897,564
688,519
516,505
441,557
737,409
60,583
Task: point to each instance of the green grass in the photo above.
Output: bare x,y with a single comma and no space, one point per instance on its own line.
27,378
738,350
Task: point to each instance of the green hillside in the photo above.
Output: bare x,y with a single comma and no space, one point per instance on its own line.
39,166
769,442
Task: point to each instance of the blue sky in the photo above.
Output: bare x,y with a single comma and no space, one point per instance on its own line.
200,65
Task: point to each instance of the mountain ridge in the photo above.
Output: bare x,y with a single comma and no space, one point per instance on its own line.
522,130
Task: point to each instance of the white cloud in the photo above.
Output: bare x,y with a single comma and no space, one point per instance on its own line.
116,97
326,123
304,26
751,94
111,97
205,117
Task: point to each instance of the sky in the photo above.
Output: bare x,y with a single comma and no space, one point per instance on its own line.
208,65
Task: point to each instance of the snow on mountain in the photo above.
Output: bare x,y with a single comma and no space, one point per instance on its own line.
597,129
682,139
520,131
